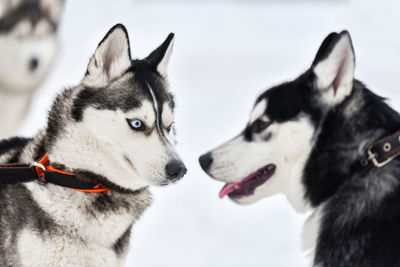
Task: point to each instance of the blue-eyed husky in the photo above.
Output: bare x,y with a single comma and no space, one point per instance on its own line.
114,130
330,145
28,47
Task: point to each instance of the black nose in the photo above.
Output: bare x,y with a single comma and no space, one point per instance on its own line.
175,170
33,64
205,161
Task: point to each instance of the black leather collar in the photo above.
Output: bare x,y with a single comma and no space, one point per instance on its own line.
382,151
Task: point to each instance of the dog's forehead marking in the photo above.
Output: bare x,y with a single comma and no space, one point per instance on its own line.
258,110
156,109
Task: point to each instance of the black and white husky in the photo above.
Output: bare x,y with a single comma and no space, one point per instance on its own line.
308,138
28,46
114,128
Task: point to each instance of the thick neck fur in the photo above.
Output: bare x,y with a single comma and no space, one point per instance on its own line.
347,131
13,110
353,209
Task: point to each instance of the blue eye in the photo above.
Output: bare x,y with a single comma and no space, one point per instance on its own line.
136,124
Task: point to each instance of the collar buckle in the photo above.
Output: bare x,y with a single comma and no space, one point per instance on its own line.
374,158
39,175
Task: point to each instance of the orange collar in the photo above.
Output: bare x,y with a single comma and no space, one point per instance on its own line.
45,173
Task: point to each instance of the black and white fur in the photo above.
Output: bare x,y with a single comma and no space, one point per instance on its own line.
90,133
28,47
314,129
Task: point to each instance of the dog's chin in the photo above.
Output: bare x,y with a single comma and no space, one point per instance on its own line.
156,180
243,192
246,200
161,182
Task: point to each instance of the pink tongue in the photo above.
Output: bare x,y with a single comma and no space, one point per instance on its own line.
228,188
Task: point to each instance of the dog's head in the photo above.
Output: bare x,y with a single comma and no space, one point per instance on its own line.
121,116
28,42
269,156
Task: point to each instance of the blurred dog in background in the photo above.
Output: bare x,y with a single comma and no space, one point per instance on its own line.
28,47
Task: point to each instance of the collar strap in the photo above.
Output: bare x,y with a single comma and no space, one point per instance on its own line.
383,151
42,172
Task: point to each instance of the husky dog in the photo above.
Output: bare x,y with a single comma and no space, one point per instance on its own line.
28,46
116,128
308,138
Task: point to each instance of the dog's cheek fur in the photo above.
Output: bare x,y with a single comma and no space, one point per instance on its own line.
288,148
167,118
112,128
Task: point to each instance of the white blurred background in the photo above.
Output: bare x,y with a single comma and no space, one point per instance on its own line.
225,54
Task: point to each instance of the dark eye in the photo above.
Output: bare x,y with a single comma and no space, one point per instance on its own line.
136,124
169,128
259,125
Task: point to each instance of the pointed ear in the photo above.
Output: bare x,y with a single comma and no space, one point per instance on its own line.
159,58
54,8
111,58
334,67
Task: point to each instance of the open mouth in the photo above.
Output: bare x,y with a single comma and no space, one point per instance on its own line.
247,186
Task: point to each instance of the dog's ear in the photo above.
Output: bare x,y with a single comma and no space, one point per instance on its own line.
53,8
111,58
9,5
333,67
159,58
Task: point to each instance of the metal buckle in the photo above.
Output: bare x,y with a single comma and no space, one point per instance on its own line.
372,156
40,179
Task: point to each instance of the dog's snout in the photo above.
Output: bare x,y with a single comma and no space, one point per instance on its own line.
205,161
33,64
175,170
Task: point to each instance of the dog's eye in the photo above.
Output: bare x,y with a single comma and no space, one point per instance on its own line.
259,125
136,124
169,128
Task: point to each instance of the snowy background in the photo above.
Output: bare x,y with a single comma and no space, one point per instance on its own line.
225,54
